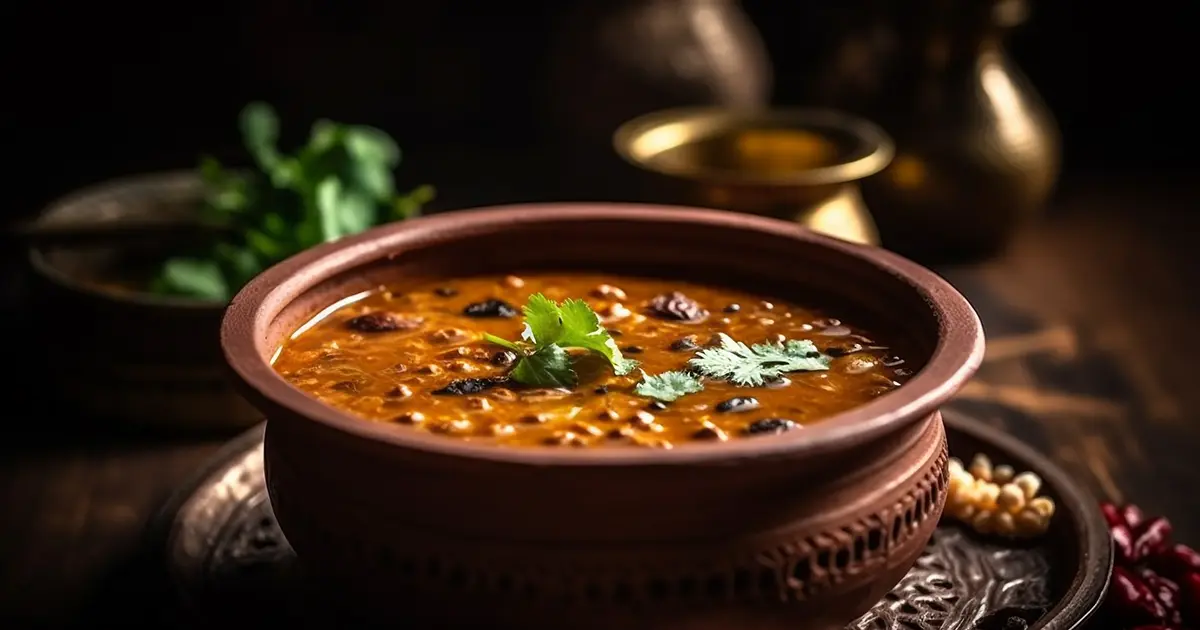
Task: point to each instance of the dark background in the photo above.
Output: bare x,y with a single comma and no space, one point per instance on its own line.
1083,314
94,90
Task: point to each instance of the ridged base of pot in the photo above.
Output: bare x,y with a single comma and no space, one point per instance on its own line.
820,571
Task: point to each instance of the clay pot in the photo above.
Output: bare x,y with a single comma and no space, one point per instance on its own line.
803,530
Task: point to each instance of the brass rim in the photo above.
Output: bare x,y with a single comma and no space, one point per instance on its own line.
871,152
119,190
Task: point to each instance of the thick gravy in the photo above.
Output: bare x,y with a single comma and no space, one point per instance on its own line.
419,358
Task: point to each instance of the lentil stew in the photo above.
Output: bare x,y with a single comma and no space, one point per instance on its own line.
419,357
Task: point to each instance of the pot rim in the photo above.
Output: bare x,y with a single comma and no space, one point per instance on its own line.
956,356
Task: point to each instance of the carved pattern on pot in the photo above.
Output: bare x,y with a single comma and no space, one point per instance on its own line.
834,561
813,565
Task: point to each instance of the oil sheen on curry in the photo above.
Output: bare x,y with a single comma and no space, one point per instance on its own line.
581,360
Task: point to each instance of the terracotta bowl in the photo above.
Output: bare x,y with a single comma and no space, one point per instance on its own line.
803,530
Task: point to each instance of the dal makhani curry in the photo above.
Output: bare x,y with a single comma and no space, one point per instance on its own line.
585,360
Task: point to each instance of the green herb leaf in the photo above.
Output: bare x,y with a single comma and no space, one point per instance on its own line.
409,206
238,264
328,192
260,132
369,144
357,210
202,279
571,324
543,320
581,328
340,183
374,179
547,366
500,341
751,366
323,137
668,386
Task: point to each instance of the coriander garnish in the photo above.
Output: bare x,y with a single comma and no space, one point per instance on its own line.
551,329
668,386
734,361
751,366
339,184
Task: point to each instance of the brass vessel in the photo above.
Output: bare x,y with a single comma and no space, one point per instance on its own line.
795,164
978,151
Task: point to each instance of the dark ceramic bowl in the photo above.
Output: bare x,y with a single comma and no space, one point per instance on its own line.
134,356
803,530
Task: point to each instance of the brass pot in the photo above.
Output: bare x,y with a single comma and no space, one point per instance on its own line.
794,164
978,151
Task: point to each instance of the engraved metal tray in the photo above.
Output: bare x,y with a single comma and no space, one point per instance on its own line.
223,559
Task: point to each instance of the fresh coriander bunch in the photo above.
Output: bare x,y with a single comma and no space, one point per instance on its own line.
338,184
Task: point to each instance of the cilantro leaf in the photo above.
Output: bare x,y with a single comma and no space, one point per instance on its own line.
668,386
188,277
372,145
751,366
328,192
409,205
339,183
502,342
239,264
260,132
547,366
581,328
543,320
553,328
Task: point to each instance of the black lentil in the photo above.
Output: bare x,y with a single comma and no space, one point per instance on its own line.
683,345
738,404
380,321
466,386
771,425
490,308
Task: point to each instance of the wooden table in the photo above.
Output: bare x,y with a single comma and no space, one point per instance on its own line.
1089,358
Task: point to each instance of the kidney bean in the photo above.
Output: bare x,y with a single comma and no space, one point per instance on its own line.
1112,514
1132,515
1123,545
1133,600
1176,561
1167,593
1189,597
1151,537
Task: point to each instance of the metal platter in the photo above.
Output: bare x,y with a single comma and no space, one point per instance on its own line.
223,559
